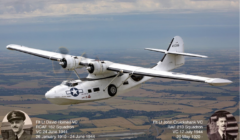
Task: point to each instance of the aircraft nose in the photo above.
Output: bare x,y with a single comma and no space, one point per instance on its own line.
50,94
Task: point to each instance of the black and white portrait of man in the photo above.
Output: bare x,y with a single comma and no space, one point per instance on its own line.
15,128
219,124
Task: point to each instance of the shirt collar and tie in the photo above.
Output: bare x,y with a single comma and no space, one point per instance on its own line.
223,137
222,134
17,136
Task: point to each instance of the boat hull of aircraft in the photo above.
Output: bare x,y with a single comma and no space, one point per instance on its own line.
88,91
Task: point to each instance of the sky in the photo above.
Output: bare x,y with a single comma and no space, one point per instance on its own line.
113,25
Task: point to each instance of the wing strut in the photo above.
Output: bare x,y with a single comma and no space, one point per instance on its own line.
119,72
77,74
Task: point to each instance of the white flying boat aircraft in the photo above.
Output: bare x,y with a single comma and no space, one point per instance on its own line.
107,79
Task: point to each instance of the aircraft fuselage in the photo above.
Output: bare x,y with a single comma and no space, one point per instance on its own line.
77,91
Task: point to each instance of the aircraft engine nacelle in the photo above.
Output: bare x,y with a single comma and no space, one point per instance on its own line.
70,62
97,67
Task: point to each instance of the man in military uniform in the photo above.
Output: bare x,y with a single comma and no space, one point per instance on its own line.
16,119
221,134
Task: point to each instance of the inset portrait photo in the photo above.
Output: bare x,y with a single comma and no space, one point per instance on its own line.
16,125
222,125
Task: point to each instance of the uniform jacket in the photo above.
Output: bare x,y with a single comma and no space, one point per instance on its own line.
24,136
216,136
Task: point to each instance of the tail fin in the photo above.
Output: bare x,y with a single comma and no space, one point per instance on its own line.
172,61
174,55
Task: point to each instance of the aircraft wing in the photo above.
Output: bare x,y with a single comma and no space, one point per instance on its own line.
165,74
40,53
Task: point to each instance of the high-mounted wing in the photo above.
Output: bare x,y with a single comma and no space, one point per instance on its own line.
66,61
40,53
165,74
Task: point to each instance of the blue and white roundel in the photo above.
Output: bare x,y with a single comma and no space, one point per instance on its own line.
74,92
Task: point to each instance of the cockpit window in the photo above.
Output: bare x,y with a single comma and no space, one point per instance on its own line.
74,84
69,84
63,83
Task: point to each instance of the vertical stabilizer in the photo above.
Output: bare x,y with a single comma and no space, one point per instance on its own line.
172,61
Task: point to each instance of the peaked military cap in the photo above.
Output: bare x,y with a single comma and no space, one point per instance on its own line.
16,115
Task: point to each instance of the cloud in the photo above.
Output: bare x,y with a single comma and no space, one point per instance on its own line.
15,9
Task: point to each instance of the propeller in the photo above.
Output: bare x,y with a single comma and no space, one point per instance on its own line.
97,59
57,65
84,55
63,50
86,64
89,65
84,61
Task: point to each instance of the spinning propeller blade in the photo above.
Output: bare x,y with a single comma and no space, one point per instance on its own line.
84,55
57,68
63,50
97,59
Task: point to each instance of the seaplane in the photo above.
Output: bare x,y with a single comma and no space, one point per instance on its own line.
107,79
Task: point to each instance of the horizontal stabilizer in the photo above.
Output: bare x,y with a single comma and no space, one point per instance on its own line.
176,53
